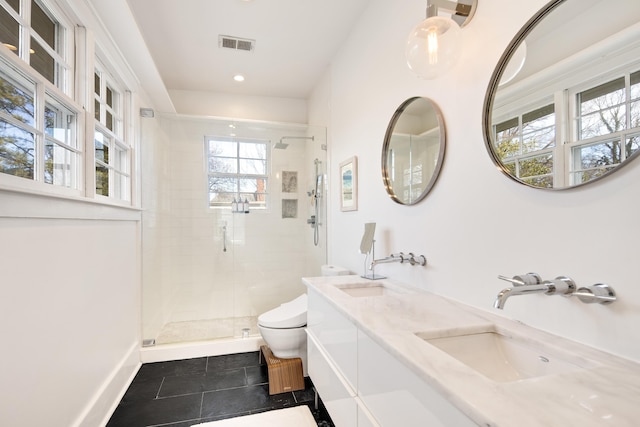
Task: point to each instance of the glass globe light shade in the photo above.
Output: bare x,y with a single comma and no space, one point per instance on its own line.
432,47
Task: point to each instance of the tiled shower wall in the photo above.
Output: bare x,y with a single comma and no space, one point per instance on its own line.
186,273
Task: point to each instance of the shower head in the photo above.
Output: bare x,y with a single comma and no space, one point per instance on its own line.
283,145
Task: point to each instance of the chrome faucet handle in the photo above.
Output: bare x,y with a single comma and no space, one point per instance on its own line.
562,285
598,293
412,258
523,279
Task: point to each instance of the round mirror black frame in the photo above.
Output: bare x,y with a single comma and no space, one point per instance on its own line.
493,87
387,143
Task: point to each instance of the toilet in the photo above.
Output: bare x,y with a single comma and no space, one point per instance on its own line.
283,329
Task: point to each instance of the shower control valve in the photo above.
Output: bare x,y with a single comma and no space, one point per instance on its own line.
312,221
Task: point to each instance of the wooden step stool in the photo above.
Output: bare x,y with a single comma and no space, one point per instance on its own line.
284,374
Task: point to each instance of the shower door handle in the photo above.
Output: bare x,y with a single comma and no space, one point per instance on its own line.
224,238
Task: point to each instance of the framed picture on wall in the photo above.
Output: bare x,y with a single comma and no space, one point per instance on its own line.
349,184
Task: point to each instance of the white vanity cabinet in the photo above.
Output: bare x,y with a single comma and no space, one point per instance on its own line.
361,384
336,335
398,397
336,394
332,357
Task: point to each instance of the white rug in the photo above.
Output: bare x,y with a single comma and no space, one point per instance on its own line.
297,416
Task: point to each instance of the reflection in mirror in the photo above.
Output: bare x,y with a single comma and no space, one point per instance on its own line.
563,104
367,238
413,150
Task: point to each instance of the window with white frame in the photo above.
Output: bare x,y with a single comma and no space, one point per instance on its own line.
607,127
237,169
526,145
604,132
38,120
112,152
37,35
38,139
43,137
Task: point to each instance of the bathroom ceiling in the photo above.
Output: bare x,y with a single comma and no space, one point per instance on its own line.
294,42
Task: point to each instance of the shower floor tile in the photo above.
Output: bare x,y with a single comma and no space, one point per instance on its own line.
181,393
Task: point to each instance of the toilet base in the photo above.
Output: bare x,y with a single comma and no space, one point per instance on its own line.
285,375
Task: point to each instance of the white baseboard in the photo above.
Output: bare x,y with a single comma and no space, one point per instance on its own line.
99,409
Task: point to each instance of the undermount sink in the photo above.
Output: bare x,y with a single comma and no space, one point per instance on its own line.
375,289
504,357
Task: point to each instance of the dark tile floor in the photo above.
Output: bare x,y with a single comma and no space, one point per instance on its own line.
182,393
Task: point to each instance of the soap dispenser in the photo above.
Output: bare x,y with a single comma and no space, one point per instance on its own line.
246,205
234,205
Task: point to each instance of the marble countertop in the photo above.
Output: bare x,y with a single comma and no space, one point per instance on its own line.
606,393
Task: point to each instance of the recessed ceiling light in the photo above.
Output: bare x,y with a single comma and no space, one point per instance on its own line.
238,78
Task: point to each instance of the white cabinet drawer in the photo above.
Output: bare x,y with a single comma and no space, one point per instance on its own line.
336,334
336,394
396,396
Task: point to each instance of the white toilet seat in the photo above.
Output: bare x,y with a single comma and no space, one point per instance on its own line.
292,314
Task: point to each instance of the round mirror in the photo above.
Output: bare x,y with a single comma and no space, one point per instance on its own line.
413,150
563,105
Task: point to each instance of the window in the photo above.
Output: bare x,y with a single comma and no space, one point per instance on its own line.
61,151
17,125
112,153
607,127
526,143
33,33
38,140
45,144
605,132
237,168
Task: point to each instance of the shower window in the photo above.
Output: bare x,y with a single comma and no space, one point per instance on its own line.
237,169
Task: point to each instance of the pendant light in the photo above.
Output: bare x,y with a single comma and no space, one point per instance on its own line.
433,45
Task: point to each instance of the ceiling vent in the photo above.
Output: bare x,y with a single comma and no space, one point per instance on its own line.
236,43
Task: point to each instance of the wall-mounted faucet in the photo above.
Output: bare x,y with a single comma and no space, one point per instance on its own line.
531,283
400,257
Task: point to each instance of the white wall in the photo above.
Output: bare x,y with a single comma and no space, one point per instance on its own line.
69,312
476,223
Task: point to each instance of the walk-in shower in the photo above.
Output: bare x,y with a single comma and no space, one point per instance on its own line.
208,272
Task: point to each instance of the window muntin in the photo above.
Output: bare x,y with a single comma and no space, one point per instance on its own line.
634,93
237,168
